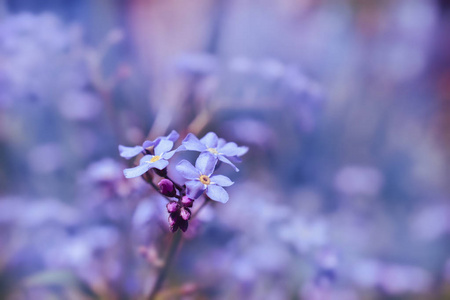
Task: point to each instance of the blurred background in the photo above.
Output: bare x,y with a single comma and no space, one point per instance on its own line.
345,106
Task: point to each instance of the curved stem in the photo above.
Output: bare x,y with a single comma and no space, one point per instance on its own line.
165,269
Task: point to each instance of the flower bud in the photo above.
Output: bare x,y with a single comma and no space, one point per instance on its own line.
172,207
183,225
173,218
186,201
173,227
185,213
166,187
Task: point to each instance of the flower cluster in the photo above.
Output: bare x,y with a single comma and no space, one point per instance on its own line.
199,177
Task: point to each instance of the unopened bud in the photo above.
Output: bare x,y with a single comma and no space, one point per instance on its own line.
185,213
186,201
183,224
172,207
166,187
173,218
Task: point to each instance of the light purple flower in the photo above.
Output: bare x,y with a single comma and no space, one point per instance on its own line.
214,146
200,179
129,152
157,161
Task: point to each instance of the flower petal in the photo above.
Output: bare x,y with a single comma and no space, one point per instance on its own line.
229,149
191,142
242,150
210,140
221,143
206,163
221,180
228,162
194,189
173,136
136,171
145,159
148,144
159,164
187,170
217,193
129,152
168,155
163,146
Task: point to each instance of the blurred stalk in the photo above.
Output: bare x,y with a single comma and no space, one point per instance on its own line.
165,269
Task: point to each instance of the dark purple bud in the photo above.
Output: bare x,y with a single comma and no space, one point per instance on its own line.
166,187
173,218
173,227
172,207
183,224
186,201
185,213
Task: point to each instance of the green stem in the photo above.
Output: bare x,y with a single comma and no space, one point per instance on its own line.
165,269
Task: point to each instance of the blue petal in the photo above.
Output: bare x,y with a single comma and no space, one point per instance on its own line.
221,180
229,149
191,142
145,159
242,150
221,143
129,152
148,144
228,162
160,164
163,146
187,170
206,163
168,155
194,189
173,136
136,171
210,140
217,193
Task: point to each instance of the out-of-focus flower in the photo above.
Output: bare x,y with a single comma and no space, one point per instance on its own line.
305,235
359,180
197,63
158,161
129,152
214,146
200,179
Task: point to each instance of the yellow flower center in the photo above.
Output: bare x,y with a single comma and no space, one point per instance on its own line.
213,150
205,179
155,158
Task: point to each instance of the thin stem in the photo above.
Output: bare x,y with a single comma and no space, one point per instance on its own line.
165,269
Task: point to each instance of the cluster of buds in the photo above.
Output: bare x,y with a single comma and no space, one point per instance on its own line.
179,213
179,210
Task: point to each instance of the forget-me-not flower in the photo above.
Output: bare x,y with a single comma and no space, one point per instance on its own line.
218,148
158,161
200,179
129,152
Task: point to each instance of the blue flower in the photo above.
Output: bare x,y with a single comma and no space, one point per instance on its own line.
129,152
200,179
157,161
214,146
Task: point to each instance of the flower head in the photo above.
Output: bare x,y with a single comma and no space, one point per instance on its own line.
158,161
129,152
214,146
200,179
